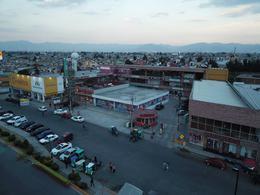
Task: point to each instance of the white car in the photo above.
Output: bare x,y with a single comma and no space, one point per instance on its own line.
62,147
6,116
18,122
11,121
42,108
48,138
78,119
60,111
67,154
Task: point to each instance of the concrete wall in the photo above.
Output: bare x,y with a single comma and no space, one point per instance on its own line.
107,89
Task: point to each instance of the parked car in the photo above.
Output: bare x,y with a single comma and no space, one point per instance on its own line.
44,134
12,100
12,120
60,111
159,107
67,154
4,112
62,147
6,116
42,108
79,119
216,162
67,137
38,131
33,127
16,119
22,120
26,124
49,138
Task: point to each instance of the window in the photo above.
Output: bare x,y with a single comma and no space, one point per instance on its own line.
245,129
194,118
218,123
235,127
202,120
194,125
226,125
210,121
201,126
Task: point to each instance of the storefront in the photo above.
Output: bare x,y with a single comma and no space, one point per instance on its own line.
38,88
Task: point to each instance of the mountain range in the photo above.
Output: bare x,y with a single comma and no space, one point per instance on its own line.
68,47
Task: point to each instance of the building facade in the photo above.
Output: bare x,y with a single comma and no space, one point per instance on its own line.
221,122
36,87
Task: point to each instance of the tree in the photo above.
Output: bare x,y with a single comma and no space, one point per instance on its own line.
128,62
199,58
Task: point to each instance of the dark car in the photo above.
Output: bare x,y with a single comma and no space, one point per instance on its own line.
44,134
33,127
216,162
67,137
9,99
38,131
182,112
159,107
26,124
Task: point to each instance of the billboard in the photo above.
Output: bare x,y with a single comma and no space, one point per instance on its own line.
50,85
1,55
37,85
20,81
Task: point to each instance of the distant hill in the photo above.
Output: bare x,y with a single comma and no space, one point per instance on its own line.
197,47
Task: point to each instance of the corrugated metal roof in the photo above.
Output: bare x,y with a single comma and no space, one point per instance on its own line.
250,93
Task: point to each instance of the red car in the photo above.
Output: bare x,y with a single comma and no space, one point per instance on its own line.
66,115
216,162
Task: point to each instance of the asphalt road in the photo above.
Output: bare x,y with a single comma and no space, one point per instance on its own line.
19,177
140,163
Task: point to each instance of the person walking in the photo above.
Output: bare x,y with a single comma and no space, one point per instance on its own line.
92,182
113,169
110,167
165,166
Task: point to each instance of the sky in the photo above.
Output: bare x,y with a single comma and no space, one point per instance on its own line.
175,22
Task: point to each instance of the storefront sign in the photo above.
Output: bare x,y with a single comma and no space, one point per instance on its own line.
22,82
37,85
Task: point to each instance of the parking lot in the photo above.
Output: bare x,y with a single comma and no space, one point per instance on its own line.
140,163
25,178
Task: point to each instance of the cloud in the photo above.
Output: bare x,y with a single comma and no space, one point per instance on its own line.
57,3
242,10
160,14
198,20
9,30
228,3
91,13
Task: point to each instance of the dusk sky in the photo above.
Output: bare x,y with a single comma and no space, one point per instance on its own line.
131,21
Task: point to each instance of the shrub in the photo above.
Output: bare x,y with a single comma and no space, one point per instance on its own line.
82,185
29,150
1,131
74,176
18,143
11,138
46,161
25,144
37,156
55,166
5,134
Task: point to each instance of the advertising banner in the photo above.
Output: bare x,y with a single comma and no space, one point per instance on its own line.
50,84
1,55
60,84
37,85
20,82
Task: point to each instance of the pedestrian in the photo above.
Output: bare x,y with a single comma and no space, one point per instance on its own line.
66,162
113,169
95,159
50,104
83,126
92,181
165,166
110,166
84,167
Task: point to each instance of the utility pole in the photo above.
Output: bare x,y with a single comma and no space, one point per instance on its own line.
131,112
237,178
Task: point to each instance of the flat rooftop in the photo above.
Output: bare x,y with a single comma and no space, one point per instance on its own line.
217,92
125,95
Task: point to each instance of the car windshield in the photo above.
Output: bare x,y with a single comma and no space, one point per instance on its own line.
60,147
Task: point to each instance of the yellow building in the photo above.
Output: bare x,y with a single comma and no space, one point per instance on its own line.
36,87
218,74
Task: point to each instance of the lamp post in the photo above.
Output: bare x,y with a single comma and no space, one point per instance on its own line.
131,112
237,178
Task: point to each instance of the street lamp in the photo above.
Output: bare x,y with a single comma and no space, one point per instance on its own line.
237,177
